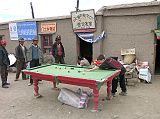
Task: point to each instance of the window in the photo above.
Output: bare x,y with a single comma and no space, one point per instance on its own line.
46,43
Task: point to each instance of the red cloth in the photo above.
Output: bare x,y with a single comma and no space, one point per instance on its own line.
59,48
96,62
113,63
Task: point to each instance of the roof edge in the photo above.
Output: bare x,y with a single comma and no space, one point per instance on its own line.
39,19
132,5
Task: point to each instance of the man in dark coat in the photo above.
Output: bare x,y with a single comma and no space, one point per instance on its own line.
21,51
58,50
4,63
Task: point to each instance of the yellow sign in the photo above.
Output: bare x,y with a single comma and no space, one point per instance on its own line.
48,27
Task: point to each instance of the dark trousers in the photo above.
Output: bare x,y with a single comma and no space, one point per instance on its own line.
20,66
34,63
59,59
121,80
4,74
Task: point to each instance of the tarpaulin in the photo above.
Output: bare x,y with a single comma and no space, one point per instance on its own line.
89,37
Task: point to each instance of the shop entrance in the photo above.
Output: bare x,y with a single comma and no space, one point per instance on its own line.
157,63
46,43
86,50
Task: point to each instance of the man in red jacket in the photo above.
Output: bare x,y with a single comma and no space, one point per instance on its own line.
58,50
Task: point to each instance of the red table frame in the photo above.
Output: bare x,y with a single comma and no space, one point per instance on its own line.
74,81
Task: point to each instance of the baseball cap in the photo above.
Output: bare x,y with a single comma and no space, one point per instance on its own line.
58,37
21,39
35,38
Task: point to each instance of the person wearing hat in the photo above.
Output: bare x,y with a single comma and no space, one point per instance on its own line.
4,63
58,50
34,56
21,57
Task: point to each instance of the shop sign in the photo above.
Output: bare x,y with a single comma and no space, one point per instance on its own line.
26,30
83,21
48,27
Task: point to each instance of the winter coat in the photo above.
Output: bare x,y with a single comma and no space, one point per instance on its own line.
55,50
19,53
29,55
4,60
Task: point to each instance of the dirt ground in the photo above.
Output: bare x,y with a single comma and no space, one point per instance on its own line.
18,102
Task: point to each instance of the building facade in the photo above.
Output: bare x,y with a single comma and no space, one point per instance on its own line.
126,26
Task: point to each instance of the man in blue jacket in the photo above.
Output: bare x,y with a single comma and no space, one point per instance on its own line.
34,56
4,63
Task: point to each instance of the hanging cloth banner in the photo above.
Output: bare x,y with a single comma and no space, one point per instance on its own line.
89,37
157,32
100,37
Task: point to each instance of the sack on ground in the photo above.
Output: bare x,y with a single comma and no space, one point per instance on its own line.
145,74
72,98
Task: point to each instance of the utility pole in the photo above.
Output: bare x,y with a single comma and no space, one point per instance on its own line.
77,8
32,10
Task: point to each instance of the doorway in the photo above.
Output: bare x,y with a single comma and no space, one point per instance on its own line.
46,43
86,50
157,63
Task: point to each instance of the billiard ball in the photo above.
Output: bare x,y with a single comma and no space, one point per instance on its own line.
68,71
56,67
59,68
79,71
72,68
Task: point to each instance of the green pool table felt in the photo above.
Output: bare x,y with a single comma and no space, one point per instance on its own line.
73,71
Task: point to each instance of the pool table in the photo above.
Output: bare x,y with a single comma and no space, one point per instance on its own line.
74,75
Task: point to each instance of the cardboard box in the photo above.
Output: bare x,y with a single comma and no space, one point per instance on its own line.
128,51
145,74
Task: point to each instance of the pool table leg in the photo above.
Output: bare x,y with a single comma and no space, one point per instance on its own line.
109,94
54,85
36,88
95,98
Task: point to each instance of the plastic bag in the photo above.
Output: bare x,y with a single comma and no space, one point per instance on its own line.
69,97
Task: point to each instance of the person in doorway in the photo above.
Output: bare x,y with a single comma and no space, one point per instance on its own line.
21,57
82,61
4,63
58,50
111,63
34,56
